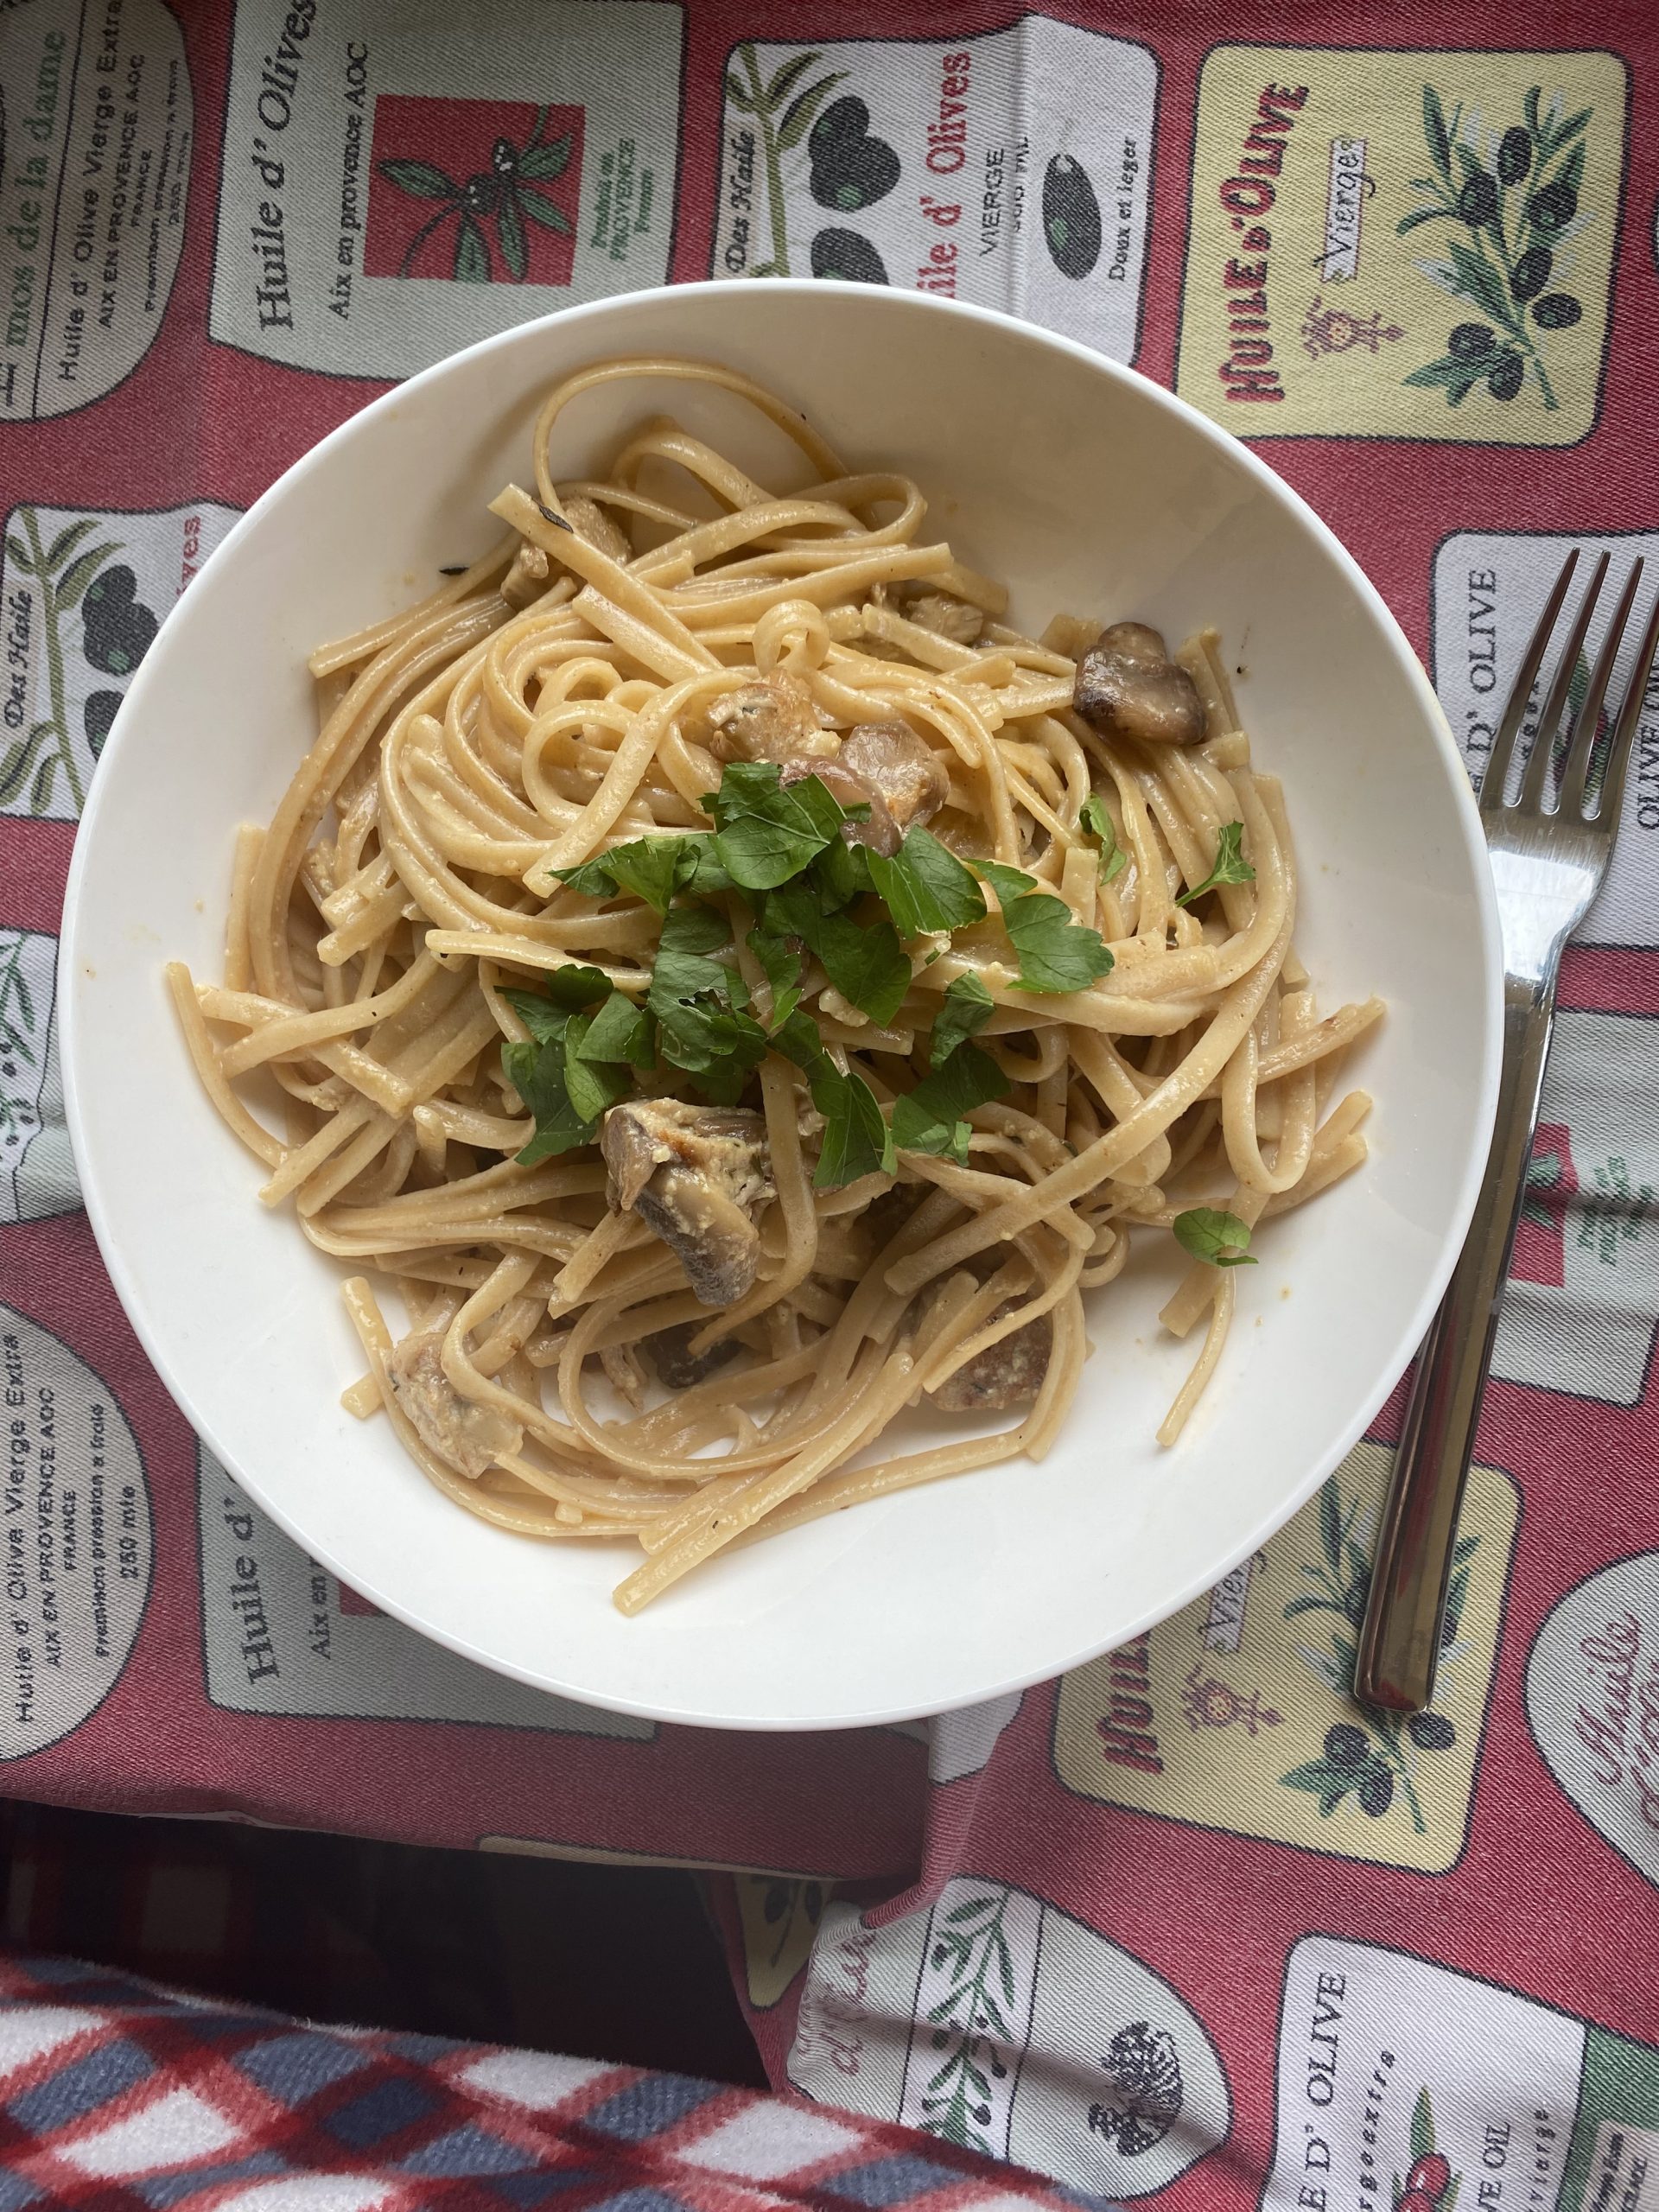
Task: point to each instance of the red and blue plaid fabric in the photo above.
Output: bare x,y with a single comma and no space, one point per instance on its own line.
116,2094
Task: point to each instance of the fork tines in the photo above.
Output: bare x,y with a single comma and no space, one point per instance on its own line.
1581,745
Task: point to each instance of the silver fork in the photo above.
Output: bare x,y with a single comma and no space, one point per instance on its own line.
1547,862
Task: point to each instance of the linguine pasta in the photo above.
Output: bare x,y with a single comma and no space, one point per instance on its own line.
704,937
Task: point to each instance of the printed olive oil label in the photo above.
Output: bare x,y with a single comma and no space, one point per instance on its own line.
1012,167
1402,245
394,188
1239,1715
1404,2085
38,1171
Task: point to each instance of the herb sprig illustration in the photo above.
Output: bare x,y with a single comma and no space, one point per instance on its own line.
506,195
18,1025
782,116
62,574
1513,200
1376,1765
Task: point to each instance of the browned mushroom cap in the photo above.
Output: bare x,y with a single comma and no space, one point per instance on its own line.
771,719
877,829
466,1436
1127,686
696,1176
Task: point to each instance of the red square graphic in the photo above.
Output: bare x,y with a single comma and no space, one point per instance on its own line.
476,191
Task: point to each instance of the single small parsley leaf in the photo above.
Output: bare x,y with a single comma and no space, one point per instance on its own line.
591,1086
593,878
765,834
544,1020
620,1031
1219,1238
926,887
783,972
797,1038
857,1138
930,1118
1231,866
1113,858
537,1073
690,993
966,1008
1057,954
1007,882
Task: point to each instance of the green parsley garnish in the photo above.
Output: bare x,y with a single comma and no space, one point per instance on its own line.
966,1008
652,869
1216,1237
926,887
929,1118
1230,865
765,833
1113,858
1009,883
1056,953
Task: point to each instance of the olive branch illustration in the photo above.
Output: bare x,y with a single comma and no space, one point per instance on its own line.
1517,196
506,193
1372,1764
17,1024
61,574
781,132
970,1946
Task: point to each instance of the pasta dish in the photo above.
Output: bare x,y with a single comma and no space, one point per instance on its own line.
727,986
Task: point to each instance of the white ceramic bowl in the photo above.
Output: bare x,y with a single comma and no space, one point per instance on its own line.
1088,489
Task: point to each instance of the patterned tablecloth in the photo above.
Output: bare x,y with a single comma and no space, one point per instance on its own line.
1187,1923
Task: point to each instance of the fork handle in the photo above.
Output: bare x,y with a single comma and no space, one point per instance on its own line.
1399,1642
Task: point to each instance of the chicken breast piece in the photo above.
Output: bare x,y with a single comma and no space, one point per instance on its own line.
697,1177
1009,1373
465,1436
773,719
892,760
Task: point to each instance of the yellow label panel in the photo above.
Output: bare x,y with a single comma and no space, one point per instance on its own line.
1238,1715
1402,245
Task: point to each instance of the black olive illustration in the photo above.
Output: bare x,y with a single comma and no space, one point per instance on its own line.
1554,207
1070,217
1144,2100
1377,1792
1557,311
1449,1628
1505,379
1478,202
843,118
1515,155
1470,340
1431,1731
98,715
853,173
844,254
1532,272
1348,1748
118,628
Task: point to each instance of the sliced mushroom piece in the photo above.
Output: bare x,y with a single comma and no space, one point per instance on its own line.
877,829
943,614
1127,686
893,760
697,1177
464,1435
1008,1373
772,720
678,1368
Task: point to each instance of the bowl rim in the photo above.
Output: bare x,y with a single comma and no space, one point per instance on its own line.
1267,482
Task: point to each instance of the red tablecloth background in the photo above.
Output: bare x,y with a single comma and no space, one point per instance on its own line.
1188,1922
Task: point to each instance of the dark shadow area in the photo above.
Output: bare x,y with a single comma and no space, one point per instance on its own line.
611,1962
